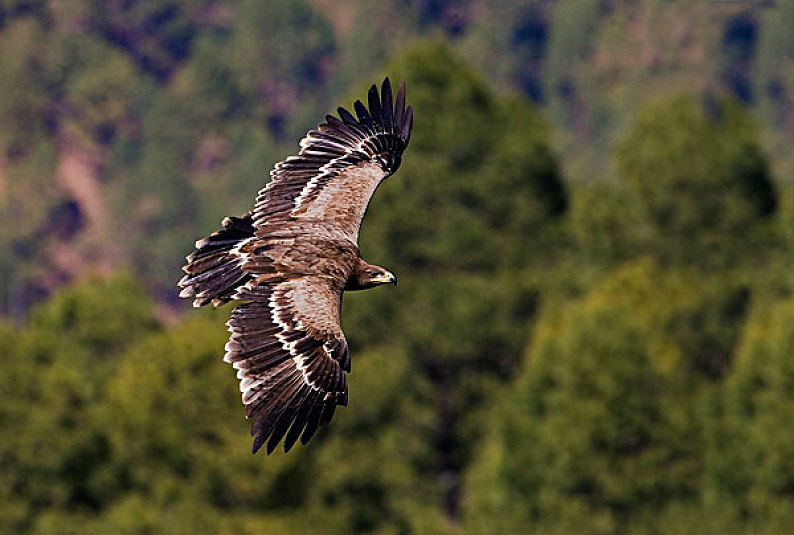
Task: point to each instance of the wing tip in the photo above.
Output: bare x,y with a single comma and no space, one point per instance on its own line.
387,105
383,112
407,123
259,440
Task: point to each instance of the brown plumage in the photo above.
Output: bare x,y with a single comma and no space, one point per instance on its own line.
288,262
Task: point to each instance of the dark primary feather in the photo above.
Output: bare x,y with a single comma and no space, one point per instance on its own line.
374,105
388,118
363,114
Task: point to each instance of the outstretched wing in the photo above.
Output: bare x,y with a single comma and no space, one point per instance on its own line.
340,165
291,357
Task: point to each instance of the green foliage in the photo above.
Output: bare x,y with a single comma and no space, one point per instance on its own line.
606,223
299,42
22,99
753,410
590,437
98,87
696,171
175,426
90,314
27,156
110,425
618,421
155,36
695,325
372,482
53,376
522,28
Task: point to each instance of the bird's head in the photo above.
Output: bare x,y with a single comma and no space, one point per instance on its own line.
370,276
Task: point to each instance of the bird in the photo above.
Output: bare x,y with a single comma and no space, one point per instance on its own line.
287,262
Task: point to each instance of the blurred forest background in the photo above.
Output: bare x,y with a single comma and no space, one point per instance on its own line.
592,228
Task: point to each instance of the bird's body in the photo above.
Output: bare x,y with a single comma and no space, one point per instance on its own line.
288,263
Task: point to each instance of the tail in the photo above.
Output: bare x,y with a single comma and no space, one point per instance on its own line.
213,272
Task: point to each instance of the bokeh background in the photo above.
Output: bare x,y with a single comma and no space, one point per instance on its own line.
592,228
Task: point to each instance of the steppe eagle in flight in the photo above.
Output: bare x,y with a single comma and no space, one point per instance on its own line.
290,259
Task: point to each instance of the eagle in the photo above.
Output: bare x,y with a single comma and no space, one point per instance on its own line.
287,263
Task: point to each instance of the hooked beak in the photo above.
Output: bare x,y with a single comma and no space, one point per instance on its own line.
386,278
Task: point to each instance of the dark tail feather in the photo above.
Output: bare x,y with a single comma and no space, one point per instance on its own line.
212,272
